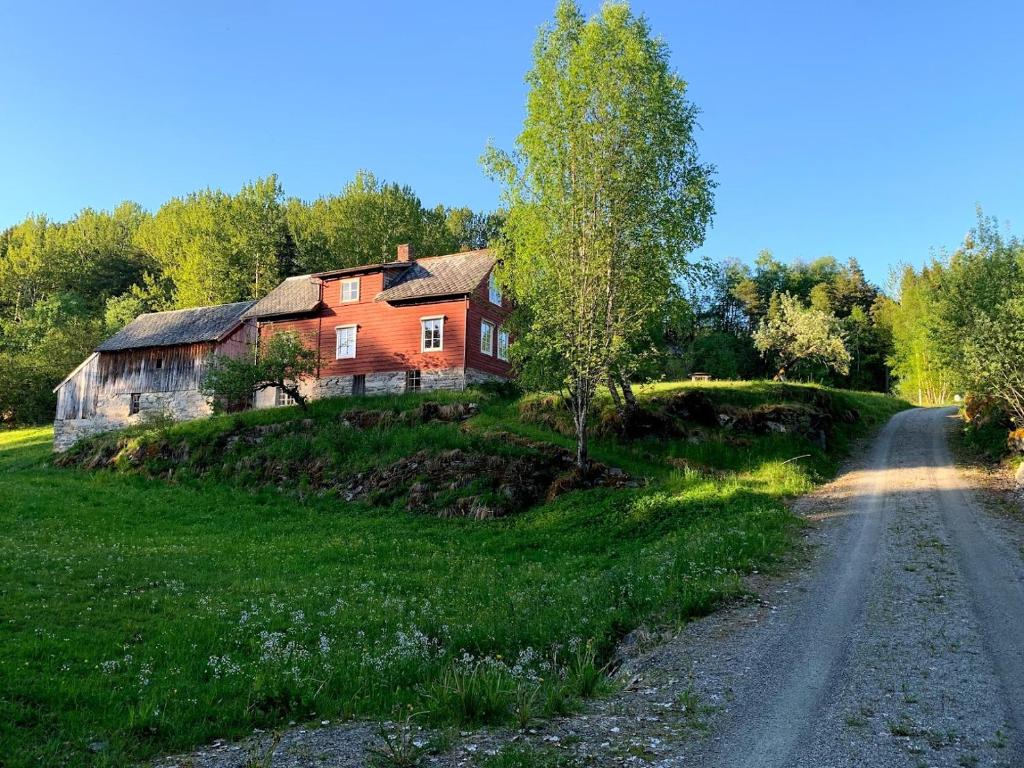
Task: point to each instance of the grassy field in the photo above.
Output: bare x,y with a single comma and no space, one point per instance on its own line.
141,616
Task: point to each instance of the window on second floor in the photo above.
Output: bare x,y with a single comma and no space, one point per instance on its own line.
345,342
350,289
493,292
487,337
503,342
431,334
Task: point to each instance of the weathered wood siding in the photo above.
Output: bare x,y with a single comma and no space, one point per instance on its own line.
163,369
76,397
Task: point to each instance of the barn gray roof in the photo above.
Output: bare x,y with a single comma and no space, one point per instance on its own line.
434,276
179,326
296,294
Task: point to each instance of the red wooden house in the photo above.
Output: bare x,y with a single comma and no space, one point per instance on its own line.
431,323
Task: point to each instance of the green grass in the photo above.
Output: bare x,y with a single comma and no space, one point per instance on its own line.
145,616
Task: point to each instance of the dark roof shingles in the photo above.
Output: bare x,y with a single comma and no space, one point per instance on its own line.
179,326
453,275
295,295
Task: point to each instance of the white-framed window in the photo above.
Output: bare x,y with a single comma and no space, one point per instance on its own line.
493,292
350,289
487,337
431,334
503,341
282,398
345,342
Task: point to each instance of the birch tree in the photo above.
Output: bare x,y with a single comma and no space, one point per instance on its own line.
605,195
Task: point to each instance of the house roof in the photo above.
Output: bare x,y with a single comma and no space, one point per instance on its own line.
363,268
433,276
296,294
179,326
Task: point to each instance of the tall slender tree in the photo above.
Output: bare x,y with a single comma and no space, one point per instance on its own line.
605,194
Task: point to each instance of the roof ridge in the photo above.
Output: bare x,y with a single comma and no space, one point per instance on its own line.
193,309
473,252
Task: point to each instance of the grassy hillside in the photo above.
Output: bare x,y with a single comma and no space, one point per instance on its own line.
246,571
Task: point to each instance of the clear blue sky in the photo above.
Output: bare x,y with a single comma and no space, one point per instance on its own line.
865,129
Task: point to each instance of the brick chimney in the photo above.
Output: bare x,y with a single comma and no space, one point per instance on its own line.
405,252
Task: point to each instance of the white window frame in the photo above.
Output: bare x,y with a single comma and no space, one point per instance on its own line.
337,341
348,283
487,325
423,333
493,292
504,339
282,399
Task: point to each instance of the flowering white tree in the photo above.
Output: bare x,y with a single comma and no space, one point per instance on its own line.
793,333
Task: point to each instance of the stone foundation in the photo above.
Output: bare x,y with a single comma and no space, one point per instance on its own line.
386,383
112,413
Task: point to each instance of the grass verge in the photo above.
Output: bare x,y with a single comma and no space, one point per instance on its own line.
142,616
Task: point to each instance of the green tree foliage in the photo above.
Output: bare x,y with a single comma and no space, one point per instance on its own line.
605,197
916,359
217,248
793,334
370,218
731,300
284,361
978,326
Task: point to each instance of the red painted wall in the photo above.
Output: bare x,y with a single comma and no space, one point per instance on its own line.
480,309
388,337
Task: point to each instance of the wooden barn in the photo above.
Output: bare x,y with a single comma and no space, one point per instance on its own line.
154,365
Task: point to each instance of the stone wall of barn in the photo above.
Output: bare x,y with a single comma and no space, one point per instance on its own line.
111,411
97,396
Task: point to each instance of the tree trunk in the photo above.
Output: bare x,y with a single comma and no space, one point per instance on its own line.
614,392
627,393
579,404
582,459
294,392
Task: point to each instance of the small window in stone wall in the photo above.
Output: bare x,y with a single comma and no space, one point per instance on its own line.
134,403
283,398
412,381
359,384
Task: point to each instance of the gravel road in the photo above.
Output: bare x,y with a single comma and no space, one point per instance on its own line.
900,644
